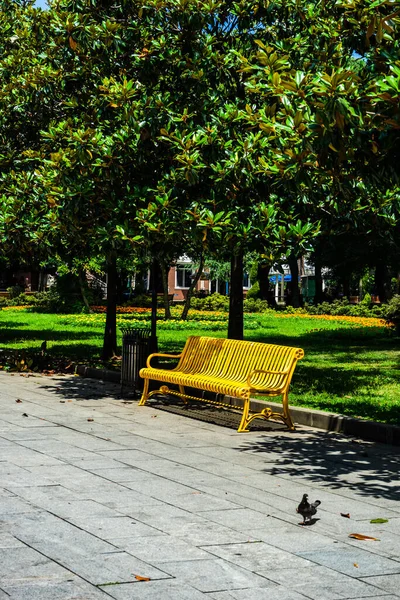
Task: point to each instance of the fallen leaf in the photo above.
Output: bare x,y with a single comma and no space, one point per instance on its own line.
347,515
62,401
90,419
379,521
18,401
360,536
154,416
140,578
356,565
24,415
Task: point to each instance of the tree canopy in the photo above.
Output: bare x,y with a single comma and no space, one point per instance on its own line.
213,126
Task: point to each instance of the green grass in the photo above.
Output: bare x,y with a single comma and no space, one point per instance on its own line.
346,369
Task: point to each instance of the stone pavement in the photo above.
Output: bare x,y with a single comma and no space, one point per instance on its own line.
97,493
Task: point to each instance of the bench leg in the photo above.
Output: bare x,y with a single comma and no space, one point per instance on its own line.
182,391
286,413
245,417
145,392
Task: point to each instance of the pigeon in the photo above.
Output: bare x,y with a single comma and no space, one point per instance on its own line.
307,510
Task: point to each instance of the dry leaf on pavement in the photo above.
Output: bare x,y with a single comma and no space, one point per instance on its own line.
360,536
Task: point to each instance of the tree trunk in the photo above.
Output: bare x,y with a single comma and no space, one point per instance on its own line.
318,278
82,287
382,281
346,286
235,325
263,270
191,289
110,331
294,299
164,276
153,336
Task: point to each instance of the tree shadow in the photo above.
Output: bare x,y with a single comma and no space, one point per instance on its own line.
81,388
46,334
326,459
327,379
333,461
9,324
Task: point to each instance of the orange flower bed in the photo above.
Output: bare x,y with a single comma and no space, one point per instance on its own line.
357,321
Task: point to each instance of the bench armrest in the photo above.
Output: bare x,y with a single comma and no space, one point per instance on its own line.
267,372
160,354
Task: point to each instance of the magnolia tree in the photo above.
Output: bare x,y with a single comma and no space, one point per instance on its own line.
219,127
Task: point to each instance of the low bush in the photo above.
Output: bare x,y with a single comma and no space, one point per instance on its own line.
344,308
255,305
392,312
20,300
15,291
254,291
211,302
141,301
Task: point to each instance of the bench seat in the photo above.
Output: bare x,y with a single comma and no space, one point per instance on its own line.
234,368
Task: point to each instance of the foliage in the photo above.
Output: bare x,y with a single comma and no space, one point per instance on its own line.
142,300
343,307
222,127
257,305
211,302
15,291
392,312
254,291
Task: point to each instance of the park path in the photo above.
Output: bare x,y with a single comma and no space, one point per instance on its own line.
102,499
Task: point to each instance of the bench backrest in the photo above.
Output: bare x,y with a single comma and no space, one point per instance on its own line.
235,359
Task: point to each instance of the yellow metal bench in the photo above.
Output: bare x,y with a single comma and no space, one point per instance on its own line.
232,368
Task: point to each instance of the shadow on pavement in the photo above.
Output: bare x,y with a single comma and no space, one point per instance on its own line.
319,457
81,388
333,460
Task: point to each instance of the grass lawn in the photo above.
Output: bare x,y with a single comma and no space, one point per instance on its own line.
351,366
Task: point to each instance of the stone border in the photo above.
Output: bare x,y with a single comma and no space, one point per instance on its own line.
104,374
360,428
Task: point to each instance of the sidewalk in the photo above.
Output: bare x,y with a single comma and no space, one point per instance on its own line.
97,493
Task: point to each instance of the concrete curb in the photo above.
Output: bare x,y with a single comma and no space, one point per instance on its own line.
104,374
367,430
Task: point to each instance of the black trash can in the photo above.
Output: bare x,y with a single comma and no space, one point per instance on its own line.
136,346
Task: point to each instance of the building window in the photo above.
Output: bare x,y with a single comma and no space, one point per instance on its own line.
183,276
246,281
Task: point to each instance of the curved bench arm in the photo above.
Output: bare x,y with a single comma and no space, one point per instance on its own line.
248,381
160,354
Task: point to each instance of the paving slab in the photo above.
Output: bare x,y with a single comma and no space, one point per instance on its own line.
101,498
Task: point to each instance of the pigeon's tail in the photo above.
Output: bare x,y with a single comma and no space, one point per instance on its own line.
316,503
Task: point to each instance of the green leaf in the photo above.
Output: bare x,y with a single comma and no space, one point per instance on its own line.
379,521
